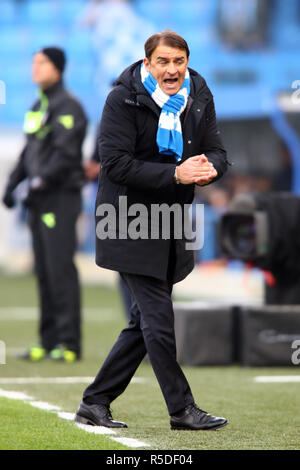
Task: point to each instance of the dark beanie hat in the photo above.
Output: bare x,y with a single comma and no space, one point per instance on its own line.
56,55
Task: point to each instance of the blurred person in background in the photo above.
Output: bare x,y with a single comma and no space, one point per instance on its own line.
158,138
118,36
55,128
244,24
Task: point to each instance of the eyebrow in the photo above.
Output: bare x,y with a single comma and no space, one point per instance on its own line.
166,58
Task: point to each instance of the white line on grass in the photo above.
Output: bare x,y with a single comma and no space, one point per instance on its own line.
65,415
14,395
98,315
43,405
57,380
130,442
277,378
95,429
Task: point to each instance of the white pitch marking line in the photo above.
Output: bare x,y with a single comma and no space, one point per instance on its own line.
43,405
138,380
14,395
98,315
95,429
65,415
57,380
128,441
45,380
277,378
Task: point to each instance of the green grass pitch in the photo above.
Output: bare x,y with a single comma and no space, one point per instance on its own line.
261,416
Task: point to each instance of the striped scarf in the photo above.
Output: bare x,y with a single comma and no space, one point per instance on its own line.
169,133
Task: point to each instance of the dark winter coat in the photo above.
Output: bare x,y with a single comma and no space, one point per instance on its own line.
132,166
53,149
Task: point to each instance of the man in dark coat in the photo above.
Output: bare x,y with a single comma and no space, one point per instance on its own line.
51,163
158,138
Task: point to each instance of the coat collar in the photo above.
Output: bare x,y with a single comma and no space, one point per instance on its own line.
199,92
53,89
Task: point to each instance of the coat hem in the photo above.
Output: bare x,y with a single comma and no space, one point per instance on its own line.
125,269
141,272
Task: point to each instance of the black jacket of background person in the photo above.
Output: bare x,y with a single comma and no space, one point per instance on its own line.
132,166
53,150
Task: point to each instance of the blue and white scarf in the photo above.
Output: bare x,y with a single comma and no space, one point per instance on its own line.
169,132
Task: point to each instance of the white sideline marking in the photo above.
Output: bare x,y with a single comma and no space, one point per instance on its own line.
137,380
97,315
128,441
43,405
65,415
57,380
14,395
45,380
277,378
95,429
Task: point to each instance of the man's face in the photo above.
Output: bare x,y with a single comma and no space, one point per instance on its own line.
168,66
44,72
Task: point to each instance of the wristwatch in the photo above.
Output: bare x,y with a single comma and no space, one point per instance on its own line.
176,177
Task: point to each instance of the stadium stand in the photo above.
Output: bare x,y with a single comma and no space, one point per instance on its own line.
232,73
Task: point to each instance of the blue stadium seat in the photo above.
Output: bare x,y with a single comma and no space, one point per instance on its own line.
193,12
157,11
78,43
13,40
72,9
41,12
32,24
42,37
79,74
7,12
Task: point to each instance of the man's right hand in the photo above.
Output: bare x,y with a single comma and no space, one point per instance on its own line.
91,170
196,170
8,198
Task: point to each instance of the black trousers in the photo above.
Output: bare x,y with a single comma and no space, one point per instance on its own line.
125,296
150,330
52,220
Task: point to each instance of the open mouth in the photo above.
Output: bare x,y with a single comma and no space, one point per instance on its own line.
170,81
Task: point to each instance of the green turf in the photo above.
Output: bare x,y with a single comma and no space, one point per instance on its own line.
27,428
261,416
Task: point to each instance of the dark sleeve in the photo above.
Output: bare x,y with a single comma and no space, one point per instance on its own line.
95,155
68,131
117,141
18,174
211,144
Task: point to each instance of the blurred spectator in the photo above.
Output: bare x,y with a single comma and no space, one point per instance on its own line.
283,177
243,24
119,34
51,163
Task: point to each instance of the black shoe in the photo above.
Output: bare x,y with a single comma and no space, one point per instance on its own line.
193,418
96,415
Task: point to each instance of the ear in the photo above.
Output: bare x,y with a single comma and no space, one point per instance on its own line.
147,63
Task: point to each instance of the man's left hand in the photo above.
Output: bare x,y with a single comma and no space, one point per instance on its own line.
209,171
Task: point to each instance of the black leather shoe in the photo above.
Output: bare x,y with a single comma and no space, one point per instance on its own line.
193,418
96,415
